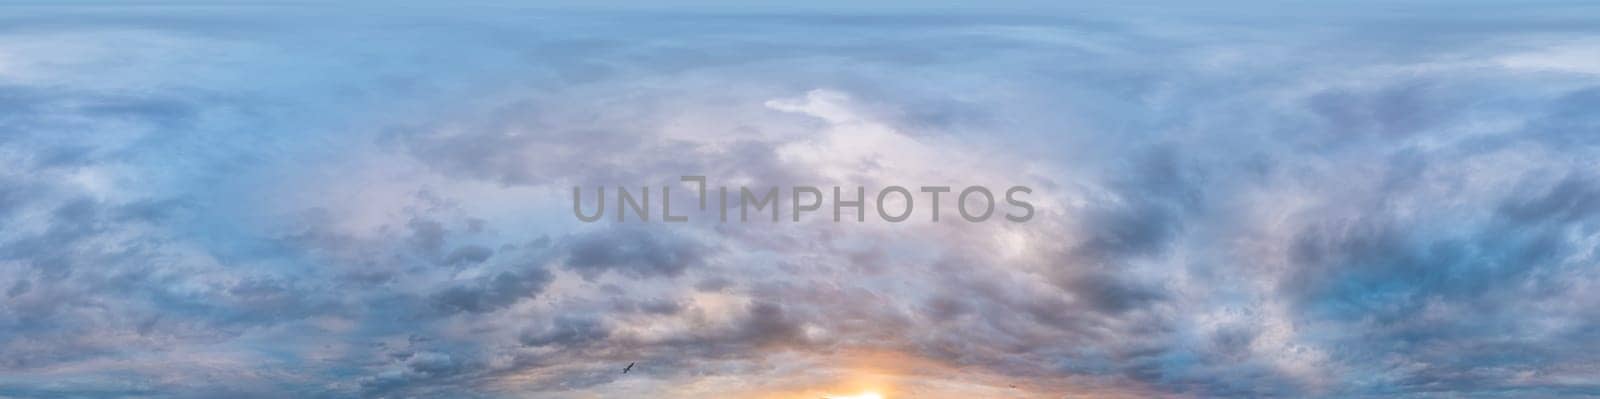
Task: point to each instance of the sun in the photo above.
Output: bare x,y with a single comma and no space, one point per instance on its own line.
863,395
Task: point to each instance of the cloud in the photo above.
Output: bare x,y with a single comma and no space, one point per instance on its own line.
633,252
287,207
489,294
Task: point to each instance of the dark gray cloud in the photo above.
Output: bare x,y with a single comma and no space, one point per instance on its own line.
567,333
493,293
634,252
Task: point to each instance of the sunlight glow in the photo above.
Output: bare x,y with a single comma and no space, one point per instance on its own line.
863,395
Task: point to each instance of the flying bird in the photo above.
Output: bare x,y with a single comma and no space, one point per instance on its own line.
625,369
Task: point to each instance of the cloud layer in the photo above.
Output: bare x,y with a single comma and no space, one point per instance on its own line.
280,201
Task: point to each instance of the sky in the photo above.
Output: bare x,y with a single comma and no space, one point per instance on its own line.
1257,199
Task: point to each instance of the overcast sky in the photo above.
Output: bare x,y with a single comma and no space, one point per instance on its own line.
1259,199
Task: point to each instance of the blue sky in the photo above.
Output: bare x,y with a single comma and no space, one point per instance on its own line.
1257,199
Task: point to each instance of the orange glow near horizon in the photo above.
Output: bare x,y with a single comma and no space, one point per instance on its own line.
863,395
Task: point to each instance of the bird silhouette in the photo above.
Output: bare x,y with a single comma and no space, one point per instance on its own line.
625,369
